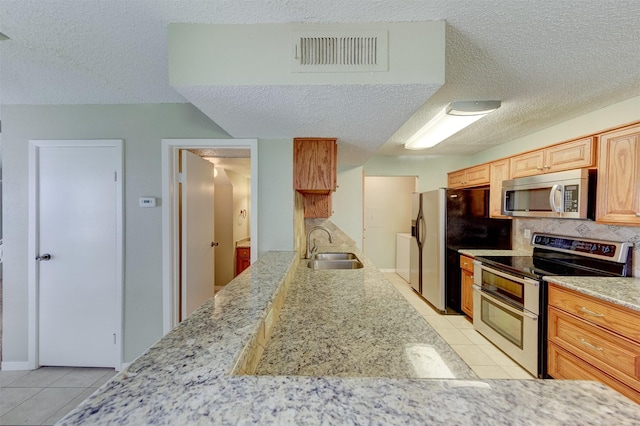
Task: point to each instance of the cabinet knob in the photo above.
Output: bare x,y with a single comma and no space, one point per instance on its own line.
538,168
547,167
638,214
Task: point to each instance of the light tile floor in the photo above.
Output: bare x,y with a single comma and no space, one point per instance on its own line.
44,396
487,361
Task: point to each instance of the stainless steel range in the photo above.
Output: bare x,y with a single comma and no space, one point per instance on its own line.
510,297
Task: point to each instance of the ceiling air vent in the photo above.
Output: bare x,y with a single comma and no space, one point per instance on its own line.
340,51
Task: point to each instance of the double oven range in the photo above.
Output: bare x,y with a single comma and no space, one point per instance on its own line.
510,296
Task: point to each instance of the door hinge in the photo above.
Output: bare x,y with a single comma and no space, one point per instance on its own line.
179,177
115,176
114,338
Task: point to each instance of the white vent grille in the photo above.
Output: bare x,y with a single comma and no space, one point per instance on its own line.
331,51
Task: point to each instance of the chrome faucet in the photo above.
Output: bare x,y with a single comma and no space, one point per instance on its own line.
311,251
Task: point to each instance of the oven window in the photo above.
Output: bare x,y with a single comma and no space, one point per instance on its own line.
503,286
507,324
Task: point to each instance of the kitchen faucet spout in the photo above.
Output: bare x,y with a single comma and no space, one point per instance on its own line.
311,251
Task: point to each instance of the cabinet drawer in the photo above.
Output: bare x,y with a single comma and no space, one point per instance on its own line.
466,263
605,314
609,352
564,365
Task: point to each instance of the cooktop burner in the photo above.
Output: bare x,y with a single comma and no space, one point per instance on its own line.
568,256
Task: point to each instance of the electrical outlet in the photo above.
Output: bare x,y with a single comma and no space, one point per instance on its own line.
527,234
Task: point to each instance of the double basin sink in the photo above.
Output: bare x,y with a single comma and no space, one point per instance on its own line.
334,261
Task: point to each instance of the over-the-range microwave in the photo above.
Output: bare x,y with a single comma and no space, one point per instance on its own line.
568,195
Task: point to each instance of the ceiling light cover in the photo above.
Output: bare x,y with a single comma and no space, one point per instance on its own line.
453,118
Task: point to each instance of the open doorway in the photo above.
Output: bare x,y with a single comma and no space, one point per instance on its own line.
387,212
223,150
232,208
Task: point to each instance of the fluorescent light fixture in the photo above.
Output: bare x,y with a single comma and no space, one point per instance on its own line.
455,117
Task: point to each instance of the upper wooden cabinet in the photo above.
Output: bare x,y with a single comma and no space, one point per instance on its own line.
472,176
499,172
564,156
314,165
618,194
315,173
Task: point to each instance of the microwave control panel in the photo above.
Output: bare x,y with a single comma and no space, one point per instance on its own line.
571,196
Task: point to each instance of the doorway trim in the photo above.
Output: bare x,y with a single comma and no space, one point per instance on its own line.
33,361
170,223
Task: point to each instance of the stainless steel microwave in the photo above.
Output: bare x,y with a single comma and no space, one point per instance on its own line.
568,195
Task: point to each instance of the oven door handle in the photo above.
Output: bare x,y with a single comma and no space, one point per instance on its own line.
504,305
509,276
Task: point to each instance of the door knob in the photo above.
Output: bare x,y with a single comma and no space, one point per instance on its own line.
214,244
43,257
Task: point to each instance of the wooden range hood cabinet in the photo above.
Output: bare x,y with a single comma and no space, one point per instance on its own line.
315,174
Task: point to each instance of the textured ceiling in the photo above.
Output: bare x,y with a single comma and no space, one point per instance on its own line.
547,60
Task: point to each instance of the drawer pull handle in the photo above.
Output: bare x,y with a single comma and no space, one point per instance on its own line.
590,312
584,342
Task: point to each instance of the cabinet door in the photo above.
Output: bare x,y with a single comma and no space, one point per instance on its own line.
618,194
456,179
499,172
467,293
478,175
314,164
528,164
317,205
570,155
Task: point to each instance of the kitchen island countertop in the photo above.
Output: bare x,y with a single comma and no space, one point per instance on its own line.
184,379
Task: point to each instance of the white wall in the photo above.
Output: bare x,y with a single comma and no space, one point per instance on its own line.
142,127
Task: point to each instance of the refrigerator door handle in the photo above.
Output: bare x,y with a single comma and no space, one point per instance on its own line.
423,230
419,222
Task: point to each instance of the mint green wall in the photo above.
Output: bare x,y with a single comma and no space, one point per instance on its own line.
347,203
142,127
275,195
431,171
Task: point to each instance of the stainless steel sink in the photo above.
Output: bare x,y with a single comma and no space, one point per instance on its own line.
335,264
334,256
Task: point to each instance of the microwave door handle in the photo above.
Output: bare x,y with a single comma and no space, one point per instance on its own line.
552,198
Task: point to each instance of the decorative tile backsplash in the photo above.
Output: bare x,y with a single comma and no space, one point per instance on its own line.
578,228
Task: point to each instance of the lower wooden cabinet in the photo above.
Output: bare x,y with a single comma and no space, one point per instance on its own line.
243,259
590,339
466,270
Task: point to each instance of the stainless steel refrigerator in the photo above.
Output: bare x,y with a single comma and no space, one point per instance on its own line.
444,221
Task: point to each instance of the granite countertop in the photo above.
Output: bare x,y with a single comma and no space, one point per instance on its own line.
353,323
185,377
621,291
492,252
244,243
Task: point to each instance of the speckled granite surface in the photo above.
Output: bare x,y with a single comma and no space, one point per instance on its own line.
493,252
183,380
622,291
353,323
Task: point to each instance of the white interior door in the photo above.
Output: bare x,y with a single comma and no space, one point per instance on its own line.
198,232
78,219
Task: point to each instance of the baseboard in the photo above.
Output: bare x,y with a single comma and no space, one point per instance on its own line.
123,365
387,270
15,365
